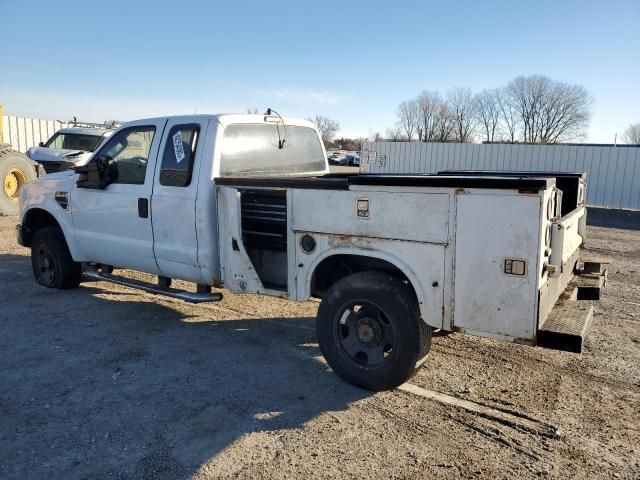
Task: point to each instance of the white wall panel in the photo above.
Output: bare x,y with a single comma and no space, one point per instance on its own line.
23,133
613,173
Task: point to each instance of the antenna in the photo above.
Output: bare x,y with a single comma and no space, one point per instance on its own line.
270,111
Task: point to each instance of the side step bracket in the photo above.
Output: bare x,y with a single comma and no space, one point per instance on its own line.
156,290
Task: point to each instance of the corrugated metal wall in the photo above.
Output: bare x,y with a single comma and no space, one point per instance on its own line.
22,133
613,173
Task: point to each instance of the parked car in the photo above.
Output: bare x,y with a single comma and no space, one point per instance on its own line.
70,146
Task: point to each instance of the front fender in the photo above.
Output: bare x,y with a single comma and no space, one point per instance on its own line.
37,199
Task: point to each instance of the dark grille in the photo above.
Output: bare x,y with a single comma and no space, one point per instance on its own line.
52,167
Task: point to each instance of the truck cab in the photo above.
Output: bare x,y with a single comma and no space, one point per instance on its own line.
247,203
156,209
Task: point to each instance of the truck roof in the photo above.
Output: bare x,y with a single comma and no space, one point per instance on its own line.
85,131
229,118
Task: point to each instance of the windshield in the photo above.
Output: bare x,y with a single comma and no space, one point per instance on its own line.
251,149
74,141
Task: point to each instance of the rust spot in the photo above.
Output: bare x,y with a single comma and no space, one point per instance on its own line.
460,191
349,241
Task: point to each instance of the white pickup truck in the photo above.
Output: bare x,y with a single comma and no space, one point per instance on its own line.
246,202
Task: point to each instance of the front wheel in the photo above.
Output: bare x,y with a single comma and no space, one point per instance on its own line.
52,264
15,170
370,331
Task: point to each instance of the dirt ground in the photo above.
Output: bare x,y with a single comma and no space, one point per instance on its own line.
106,382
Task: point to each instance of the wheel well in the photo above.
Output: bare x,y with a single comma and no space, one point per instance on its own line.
35,220
335,267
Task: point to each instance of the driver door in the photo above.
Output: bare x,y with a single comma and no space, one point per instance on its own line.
113,225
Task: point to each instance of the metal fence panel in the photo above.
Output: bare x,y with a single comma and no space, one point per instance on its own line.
613,172
23,133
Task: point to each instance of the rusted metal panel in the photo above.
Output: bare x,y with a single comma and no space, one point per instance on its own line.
612,171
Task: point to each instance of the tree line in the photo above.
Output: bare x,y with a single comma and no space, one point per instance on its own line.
529,109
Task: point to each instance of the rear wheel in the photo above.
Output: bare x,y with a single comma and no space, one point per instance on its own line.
15,171
370,331
52,264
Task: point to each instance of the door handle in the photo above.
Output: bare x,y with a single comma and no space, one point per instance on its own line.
143,208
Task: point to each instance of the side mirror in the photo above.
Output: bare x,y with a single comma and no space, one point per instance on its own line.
97,173
41,144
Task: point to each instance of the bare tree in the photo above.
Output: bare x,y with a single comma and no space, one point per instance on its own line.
409,117
487,109
550,111
632,134
509,114
395,133
430,105
444,125
374,136
462,109
253,110
327,127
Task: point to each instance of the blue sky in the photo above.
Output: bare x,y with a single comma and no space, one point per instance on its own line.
351,61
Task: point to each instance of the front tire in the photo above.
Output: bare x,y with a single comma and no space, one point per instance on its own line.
52,264
15,170
370,331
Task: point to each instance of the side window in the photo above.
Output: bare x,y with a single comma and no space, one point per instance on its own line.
128,154
179,154
55,141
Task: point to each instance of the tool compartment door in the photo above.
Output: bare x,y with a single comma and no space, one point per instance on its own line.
490,298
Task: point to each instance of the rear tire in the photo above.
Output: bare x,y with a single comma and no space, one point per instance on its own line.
15,171
370,331
52,264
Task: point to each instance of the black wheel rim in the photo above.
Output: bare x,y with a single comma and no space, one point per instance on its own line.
45,265
365,333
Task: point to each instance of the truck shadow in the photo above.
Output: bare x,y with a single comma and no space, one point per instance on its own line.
103,382
613,218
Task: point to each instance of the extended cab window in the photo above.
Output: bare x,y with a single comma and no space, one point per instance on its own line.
252,149
178,156
128,153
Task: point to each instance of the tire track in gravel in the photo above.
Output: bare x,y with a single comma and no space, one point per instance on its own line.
503,416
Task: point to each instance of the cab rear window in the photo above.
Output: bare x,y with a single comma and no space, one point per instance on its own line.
253,149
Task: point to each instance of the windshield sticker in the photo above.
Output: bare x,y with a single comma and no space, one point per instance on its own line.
177,146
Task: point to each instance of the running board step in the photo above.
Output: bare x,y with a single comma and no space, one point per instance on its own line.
566,326
590,285
593,265
154,289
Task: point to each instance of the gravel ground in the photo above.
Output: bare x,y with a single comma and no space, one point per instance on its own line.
107,382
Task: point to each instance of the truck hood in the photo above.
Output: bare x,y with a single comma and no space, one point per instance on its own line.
35,190
44,154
